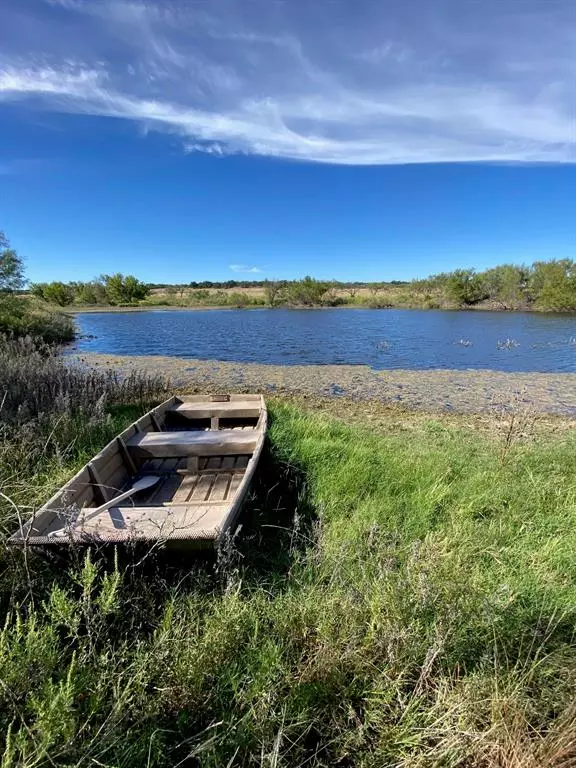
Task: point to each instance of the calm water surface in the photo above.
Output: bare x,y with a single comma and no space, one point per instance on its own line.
392,338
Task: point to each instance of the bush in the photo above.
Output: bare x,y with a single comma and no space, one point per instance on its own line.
21,317
554,284
124,290
54,293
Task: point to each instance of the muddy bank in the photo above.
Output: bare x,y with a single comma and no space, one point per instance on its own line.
448,391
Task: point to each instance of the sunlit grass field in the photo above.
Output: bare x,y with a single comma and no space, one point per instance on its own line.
395,597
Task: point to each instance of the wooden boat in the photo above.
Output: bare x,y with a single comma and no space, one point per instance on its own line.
177,476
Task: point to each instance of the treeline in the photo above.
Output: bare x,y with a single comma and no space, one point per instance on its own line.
307,292
545,285
114,290
209,284
244,284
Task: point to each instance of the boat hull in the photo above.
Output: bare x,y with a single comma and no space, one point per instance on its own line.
202,453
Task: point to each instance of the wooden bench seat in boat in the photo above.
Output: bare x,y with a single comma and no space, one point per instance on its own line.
239,409
224,442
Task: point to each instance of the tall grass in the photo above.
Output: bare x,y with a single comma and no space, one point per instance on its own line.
53,417
405,599
35,381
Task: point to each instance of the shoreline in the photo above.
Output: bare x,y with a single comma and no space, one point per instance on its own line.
446,391
92,309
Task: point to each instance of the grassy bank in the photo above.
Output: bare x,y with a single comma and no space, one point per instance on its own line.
401,596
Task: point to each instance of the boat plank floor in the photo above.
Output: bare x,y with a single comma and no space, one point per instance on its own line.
161,522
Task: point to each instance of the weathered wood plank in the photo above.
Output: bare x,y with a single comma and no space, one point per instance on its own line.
234,484
185,489
220,487
174,444
165,490
126,455
99,486
238,409
155,423
155,522
202,490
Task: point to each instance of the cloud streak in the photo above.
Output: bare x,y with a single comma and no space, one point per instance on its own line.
349,83
245,268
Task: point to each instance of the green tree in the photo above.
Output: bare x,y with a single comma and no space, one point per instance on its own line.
308,292
19,316
331,297
37,289
11,267
92,292
507,285
464,287
54,293
200,296
274,292
114,285
122,289
553,284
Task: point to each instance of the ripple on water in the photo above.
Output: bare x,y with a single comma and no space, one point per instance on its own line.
413,339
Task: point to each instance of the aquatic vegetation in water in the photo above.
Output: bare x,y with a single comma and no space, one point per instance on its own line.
395,339
508,344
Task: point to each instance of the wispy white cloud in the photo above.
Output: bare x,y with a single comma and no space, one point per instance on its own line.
353,83
245,268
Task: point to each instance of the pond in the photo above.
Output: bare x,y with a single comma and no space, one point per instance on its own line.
391,338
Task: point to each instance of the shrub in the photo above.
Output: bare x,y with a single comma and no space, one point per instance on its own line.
21,316
124,290
54,293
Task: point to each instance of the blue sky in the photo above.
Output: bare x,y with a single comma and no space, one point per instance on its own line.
353,139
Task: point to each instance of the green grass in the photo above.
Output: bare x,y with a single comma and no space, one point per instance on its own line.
393,599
